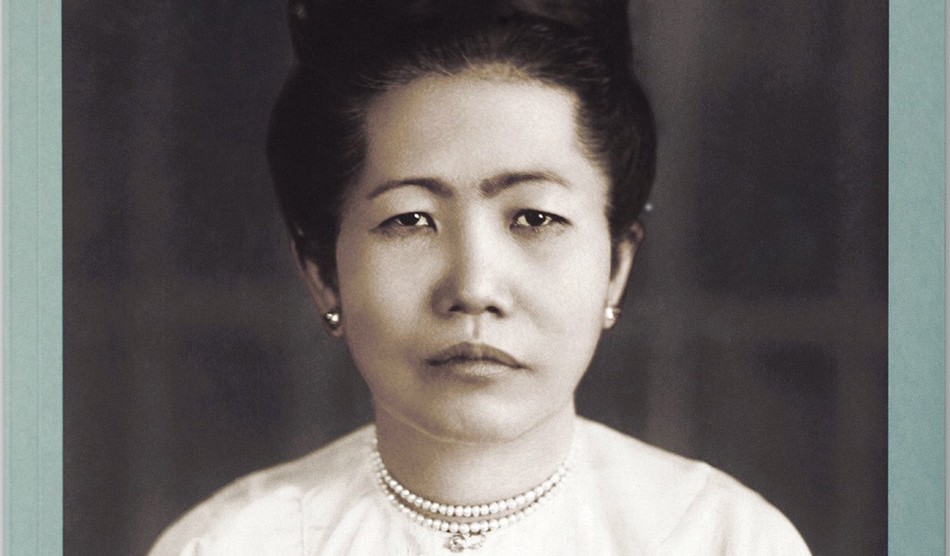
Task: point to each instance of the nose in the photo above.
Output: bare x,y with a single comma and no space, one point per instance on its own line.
476,278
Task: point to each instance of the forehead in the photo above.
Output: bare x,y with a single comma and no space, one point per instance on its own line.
468,127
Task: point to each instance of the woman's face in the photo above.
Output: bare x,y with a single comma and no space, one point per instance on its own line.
474,257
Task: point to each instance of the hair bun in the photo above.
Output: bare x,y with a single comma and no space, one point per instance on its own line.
330,33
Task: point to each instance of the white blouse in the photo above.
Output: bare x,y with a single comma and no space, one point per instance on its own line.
623,497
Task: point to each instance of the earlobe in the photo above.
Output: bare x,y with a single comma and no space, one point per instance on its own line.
325,298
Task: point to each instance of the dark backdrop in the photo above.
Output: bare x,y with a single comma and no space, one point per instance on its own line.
754,335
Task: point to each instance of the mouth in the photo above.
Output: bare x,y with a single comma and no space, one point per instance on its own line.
468,353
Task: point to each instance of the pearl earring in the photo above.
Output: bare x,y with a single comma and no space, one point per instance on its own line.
611,314
333,320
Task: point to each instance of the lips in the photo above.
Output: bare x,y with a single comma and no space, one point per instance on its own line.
468,352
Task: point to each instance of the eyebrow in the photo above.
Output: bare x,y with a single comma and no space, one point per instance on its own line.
435,186
506,180
490,187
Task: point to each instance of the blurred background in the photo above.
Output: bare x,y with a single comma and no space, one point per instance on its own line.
754,332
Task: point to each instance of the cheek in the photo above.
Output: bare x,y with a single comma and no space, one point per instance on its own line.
574,282
569,300
381,295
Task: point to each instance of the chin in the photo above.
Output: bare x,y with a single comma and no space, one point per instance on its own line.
477,421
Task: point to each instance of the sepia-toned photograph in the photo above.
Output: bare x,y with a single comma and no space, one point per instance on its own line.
475,276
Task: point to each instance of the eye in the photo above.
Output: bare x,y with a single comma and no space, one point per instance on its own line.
536,219
408,220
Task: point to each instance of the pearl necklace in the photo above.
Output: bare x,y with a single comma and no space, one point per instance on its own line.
469,532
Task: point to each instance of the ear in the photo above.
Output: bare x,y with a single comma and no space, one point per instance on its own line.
324,297
625,250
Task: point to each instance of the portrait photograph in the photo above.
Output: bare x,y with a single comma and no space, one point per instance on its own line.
479,277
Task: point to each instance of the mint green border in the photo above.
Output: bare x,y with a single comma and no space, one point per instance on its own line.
32,278
916,316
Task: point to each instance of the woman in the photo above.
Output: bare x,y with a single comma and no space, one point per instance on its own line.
462,180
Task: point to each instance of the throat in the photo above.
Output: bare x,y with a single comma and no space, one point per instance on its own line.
453,472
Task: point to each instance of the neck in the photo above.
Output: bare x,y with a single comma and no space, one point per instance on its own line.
473,472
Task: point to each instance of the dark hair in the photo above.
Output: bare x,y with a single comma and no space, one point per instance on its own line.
349,52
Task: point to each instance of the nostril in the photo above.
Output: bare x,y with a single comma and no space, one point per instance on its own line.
473,309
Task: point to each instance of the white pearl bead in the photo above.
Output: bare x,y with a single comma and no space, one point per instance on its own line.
520,506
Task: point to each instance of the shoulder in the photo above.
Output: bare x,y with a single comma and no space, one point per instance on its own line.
682,506
267,505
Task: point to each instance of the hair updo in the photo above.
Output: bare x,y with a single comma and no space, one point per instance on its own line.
348,52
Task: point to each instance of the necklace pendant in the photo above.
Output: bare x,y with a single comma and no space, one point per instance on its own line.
460,542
